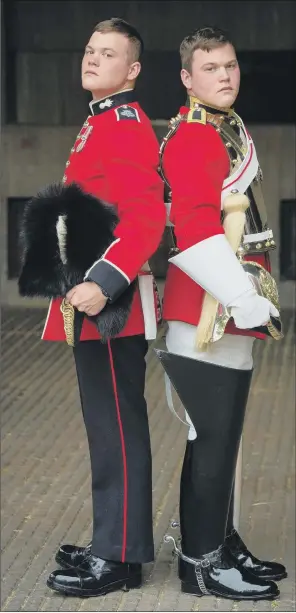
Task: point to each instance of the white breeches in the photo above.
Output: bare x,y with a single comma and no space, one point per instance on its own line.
230,351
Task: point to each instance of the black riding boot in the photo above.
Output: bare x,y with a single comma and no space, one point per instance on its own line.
215,399
260,568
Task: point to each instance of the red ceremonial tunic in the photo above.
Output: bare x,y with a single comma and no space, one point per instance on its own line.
195,163
115,158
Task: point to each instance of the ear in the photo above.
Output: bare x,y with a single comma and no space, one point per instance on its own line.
186,78
134,71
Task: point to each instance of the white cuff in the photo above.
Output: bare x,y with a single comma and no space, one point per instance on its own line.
214,266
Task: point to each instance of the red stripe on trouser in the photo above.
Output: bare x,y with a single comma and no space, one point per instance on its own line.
123,551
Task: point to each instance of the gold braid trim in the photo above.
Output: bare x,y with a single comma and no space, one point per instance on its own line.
68,313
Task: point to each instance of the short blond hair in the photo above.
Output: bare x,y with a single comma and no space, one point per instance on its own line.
207,38
115,24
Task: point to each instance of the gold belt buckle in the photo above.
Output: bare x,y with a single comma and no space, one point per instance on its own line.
68,313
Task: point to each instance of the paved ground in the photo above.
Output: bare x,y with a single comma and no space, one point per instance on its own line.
45,474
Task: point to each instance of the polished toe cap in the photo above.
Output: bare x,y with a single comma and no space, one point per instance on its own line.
273,570
66,578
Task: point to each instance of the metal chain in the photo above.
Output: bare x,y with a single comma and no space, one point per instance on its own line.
199,564
200,580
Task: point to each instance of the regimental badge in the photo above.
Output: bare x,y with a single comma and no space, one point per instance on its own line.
106,104
197,116
127,112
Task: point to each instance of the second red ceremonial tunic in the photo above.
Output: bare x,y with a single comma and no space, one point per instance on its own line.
195,164
115,158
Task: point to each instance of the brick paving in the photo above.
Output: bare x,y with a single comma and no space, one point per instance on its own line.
46,485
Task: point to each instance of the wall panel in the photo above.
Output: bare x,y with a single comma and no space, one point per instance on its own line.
63,25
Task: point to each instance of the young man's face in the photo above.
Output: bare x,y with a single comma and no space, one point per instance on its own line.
107,66
215,76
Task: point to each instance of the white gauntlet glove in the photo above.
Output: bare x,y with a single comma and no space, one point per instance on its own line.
251,310
214,266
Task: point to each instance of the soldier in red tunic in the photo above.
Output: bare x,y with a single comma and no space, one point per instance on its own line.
114,159
215,308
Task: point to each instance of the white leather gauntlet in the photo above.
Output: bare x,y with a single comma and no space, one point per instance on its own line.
214,266
251,310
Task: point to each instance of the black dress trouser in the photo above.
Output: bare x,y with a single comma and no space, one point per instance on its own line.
111,380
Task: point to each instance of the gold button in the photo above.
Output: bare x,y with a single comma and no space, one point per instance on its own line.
233,122
259,246
228,145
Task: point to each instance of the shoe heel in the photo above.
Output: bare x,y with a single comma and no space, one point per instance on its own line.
187,588
133,582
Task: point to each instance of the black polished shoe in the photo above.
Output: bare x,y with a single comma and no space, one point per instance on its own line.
96,577
218,574
259,568
71,556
